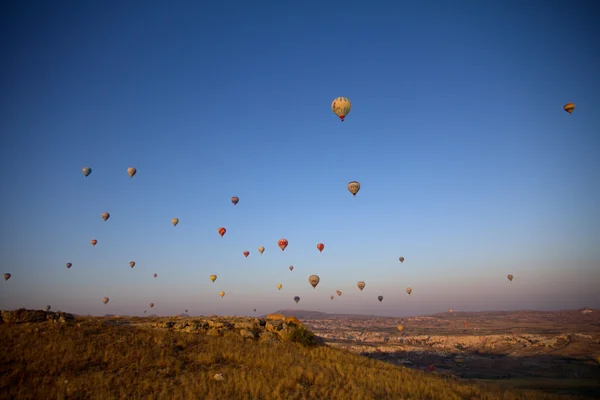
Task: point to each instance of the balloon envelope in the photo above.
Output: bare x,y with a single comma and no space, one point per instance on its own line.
213,278
353,187
131,171
86,171
235,200
361,285
313,280
7,276
282,243
296,299
320,247
341,106
569,107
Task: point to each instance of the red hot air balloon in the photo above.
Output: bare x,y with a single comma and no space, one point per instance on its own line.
155,275
222,231
282,244
246,253
320,246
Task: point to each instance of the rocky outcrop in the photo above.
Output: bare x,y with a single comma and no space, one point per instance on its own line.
273,328
22,316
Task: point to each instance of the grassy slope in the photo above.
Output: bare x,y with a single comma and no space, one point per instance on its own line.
97,360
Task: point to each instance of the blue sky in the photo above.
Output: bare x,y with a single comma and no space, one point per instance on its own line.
469,167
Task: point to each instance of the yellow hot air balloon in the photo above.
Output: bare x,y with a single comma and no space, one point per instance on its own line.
221,293
313,280
400,328
408,290
353,187
175,221
341,106
261,249
279,286
361,285
131,171
213,278
569,107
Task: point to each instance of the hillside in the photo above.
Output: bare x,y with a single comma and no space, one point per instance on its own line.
58,356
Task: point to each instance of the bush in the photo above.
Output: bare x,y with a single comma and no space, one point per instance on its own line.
303,336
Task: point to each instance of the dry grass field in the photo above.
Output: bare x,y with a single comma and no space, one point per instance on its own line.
134,358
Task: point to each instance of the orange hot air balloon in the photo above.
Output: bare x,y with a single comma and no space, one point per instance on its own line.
235,200
155,275
222,231
246,253
282,244
320,246
569,107
338,292
94,241
131,171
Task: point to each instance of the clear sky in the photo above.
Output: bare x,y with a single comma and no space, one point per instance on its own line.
468,165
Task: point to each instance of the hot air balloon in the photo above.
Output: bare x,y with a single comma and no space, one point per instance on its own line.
320,247
246,253
186,310
400,328
48,307
175,221
221,293
155,275
261,249
222,231
132,264
569,107
510,277
354,187
131,171
408,290
401,259
69,265
151,305
86,171
291,267
361,285
282,244
235,200
296,299
105,216
331,297
255,310
213,278
338,292
450,310
380,298
313,280
93,242
341,106
279,286
105,300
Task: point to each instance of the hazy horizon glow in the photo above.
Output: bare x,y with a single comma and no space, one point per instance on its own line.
468,165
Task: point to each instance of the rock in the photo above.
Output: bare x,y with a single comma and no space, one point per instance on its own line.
274,326
213,332
268,337
245,325
247,334
22,315
219,377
